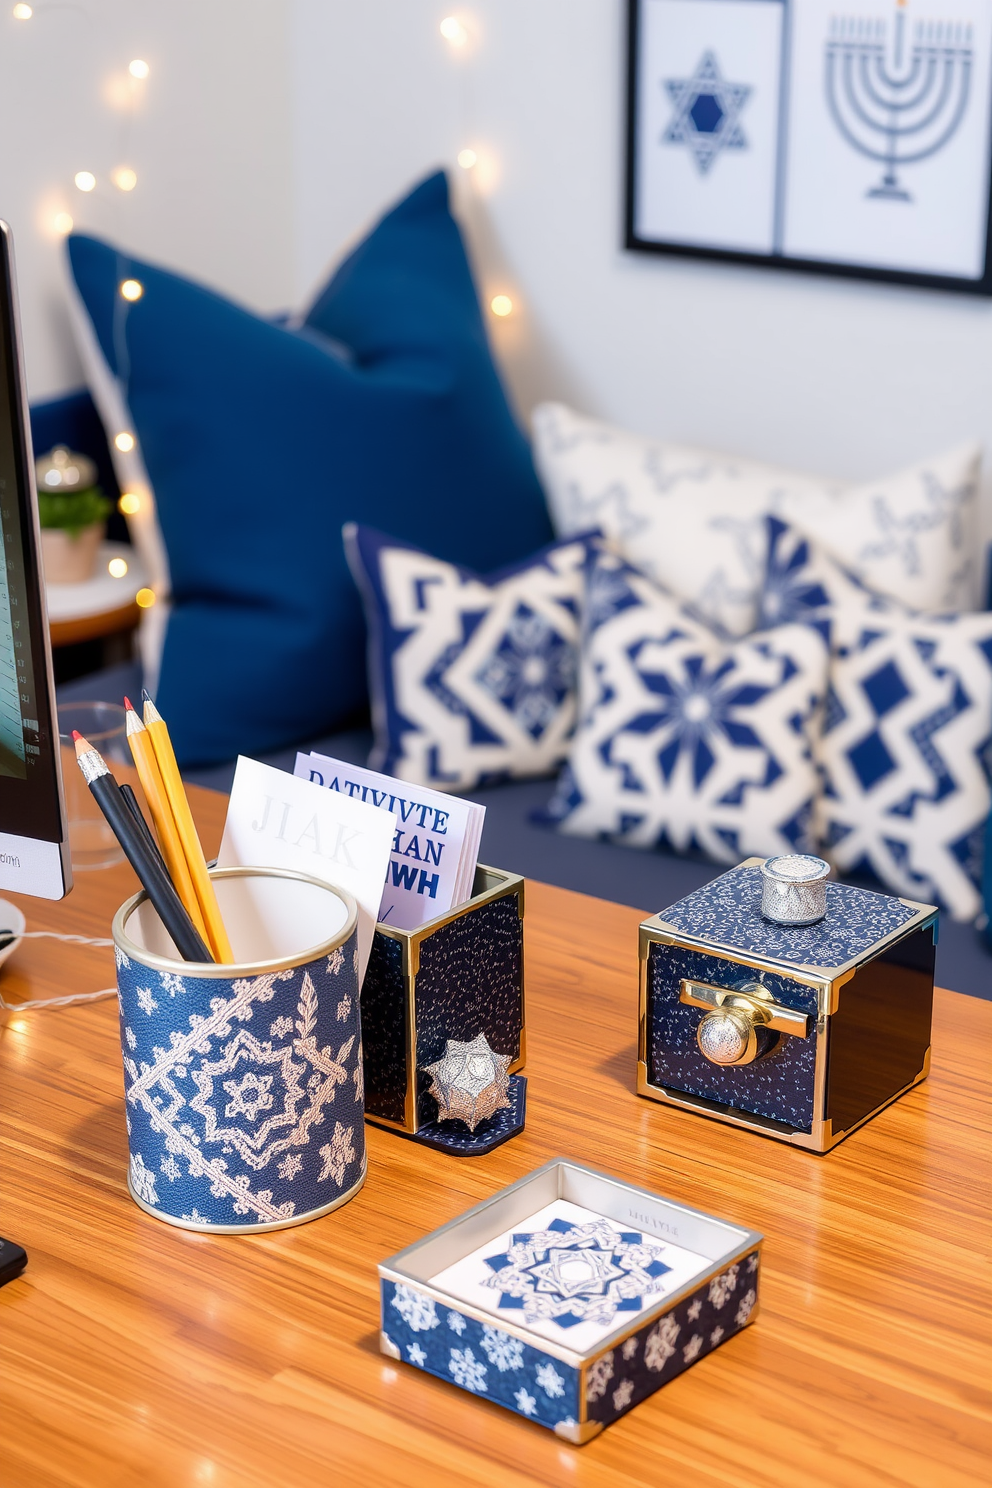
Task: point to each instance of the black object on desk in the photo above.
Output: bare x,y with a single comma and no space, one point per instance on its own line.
13,1259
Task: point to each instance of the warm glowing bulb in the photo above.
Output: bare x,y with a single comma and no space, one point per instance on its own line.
23,12
501,304
117,568
132,289
124,442
85,180
452,30
124,178
62,223
145,598
467,158
129,503
138,69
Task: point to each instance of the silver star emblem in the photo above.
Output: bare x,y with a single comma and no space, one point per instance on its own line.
470,1083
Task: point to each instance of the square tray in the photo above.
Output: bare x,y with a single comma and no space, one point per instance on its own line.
569,1336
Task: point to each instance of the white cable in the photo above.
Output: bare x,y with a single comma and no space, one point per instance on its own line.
47,1002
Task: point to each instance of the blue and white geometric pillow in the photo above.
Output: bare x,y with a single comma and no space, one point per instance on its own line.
684,740
906,742
472,679
693,520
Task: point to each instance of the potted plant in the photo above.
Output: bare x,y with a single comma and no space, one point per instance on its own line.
73,512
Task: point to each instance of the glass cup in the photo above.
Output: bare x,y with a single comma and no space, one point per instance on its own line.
91,842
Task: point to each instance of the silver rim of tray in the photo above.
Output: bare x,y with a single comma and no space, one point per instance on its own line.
228,971
252,1229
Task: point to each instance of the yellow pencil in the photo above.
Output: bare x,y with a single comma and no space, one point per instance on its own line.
143,754
183,817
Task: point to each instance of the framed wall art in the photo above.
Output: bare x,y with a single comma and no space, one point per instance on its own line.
841,136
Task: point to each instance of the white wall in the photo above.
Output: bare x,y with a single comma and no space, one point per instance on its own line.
207,135
273,131
845,378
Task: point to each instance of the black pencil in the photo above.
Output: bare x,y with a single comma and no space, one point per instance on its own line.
143,827
154,879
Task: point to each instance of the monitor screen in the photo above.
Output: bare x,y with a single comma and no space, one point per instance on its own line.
32,812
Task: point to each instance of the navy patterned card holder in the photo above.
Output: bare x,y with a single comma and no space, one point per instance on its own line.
801,1032
443,1022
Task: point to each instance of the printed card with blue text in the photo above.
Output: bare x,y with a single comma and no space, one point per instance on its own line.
435,846
275,820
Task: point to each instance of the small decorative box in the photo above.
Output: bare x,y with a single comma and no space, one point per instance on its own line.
453,987
569,1297
797,1030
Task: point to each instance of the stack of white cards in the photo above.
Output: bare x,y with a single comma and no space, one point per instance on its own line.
435,845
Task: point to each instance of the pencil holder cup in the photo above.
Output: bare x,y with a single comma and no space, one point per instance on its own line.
244,1094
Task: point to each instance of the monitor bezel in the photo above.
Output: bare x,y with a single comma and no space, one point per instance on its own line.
33,807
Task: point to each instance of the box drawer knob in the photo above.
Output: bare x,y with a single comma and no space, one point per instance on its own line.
738,1019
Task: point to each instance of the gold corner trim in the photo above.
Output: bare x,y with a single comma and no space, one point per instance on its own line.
578,1434
643,1084
897,1095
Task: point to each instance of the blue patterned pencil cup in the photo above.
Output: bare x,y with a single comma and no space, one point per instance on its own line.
244,1095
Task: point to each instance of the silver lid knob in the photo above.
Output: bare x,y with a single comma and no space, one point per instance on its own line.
794,889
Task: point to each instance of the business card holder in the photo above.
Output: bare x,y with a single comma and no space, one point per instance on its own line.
569,1297
443,1012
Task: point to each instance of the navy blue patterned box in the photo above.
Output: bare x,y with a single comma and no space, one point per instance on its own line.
569,1297
800,1032
456,977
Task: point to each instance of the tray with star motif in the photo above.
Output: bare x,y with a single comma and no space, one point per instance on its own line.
569,1297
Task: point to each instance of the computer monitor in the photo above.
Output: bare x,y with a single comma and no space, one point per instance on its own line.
34,839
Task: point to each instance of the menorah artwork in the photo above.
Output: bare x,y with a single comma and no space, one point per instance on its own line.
897,99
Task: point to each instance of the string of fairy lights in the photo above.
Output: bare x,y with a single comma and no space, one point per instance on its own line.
456,32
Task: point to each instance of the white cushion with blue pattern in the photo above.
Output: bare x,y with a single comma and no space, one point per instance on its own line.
473,679
684,740
906,744
693,520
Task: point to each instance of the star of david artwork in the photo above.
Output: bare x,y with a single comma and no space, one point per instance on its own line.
707,109
570,1274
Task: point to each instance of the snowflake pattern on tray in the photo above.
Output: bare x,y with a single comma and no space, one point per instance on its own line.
242,1101
478,1357
523,1378
571,1274
701,1322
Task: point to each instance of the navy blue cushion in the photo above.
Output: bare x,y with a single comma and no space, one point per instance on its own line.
261,440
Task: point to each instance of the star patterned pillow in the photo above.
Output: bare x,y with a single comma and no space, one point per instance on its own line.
472,679
684,740
906,742
693,520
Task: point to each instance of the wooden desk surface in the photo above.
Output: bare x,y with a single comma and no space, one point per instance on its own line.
135,1353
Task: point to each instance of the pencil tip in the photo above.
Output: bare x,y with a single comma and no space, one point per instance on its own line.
146,695
83,746
128,704
76,734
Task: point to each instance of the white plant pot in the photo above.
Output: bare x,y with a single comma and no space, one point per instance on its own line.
69,559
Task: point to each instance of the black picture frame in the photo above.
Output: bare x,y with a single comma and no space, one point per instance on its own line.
981,287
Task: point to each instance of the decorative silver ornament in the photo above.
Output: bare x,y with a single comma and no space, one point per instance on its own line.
794,889
470,1083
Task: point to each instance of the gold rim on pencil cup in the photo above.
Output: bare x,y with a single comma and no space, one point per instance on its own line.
226,970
